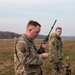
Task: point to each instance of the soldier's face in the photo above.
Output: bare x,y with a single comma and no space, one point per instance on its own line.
58,32
35,32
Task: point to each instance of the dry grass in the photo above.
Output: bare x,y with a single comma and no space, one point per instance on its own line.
6,56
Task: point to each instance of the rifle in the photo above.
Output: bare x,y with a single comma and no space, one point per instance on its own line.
41,50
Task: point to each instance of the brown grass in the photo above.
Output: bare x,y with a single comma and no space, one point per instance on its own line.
6,56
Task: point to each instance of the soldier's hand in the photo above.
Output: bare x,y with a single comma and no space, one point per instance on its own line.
44,45
45,55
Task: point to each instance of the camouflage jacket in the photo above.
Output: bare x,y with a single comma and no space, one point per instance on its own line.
55,47
27,61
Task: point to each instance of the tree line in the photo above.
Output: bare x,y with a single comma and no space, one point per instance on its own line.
12,35
8,35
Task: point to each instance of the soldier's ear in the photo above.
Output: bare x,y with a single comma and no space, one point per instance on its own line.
30,30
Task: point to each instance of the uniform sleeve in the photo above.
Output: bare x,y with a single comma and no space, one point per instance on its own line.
20,47
36,60
26,57
52,44
54,49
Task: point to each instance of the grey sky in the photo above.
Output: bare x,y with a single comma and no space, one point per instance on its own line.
15,14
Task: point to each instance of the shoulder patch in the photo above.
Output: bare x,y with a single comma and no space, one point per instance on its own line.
21,47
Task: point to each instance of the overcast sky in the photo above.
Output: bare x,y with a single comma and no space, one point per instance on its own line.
15,14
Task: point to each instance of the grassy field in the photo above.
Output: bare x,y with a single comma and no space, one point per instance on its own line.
7,61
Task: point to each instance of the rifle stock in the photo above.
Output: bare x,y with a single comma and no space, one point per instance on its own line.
41,49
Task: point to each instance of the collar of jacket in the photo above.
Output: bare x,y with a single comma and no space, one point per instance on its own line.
25,36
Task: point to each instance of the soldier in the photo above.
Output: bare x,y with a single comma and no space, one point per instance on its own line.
27,61
55,50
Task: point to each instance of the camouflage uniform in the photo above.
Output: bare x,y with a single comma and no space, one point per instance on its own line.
55,50
27,61
55,47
